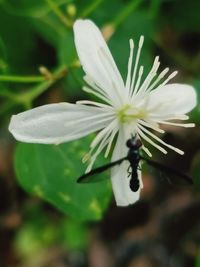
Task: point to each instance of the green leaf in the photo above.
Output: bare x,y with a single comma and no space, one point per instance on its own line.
51,171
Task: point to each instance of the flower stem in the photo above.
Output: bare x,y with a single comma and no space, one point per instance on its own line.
54,7
21,79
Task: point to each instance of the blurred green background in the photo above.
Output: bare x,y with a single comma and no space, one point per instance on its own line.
46,218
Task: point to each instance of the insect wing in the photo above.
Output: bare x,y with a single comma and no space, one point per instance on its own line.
99,174
173,176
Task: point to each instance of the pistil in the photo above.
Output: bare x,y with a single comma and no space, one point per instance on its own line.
129,113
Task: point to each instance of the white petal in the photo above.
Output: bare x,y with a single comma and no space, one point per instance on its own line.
97,60
172,99
57,123
119,175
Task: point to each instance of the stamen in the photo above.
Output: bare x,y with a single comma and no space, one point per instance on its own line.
149,77
185,125
146,138
146,150
101,134
181,117
154,126
95,104
171,76
161,141
94,86
160,77
111,138
139,79
169,117
91,91
101,146
130,62
98,91
86,157
141,41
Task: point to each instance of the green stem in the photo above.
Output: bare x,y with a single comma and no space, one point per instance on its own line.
90,8
54,7
126,11
27,97
21,79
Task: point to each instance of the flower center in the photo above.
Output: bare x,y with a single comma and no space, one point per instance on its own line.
129,113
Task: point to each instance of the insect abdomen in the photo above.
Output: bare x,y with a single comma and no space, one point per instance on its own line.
134,182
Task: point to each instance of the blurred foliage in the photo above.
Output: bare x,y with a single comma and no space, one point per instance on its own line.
38,233
198,260
37,33
196,171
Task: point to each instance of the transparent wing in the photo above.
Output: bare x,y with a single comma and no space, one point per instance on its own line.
172,175
98,174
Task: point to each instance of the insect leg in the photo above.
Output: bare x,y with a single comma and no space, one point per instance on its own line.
129,170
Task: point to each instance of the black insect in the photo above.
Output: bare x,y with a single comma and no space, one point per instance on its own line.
134,157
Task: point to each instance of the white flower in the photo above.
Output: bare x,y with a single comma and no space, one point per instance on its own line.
133,108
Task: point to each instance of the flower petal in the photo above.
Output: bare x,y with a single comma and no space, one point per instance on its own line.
172,99
119,175
97,60
57,123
